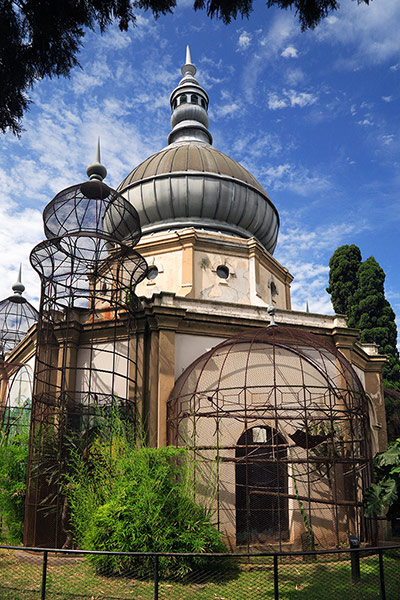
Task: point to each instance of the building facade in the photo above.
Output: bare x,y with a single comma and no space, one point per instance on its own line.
282,410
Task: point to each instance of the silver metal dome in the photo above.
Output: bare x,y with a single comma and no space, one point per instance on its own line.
191,184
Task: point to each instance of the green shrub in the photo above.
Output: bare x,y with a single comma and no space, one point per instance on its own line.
13,471
138,499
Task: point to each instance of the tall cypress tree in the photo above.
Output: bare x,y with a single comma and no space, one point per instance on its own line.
343,267
370,312
357,290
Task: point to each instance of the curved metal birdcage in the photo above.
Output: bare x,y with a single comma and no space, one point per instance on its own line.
85,363
278,419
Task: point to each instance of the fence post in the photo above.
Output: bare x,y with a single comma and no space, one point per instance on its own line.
382,575
354,558
156,577
276,579
44,575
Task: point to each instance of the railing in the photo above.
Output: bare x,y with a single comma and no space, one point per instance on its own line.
347,574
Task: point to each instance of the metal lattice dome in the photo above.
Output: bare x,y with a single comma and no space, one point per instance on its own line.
17,316
276,416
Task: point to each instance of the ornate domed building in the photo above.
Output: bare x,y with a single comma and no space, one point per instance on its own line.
281,409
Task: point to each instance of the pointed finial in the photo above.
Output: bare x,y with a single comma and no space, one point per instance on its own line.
18,287
188,68
96,170
307,307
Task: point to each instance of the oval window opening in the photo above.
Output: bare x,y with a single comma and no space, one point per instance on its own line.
223,271
152,272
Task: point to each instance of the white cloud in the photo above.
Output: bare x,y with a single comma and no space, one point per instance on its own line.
387,98
289,52
388,139
294,76
295,179
365,123
291,98
274,102
395,67
270,46
370,30
301,98
282,28
227,110
305,252
244,41
308,286
20,230
94,75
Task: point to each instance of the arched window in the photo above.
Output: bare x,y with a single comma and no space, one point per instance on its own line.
17,414
195,99
261,487
183,99
203,103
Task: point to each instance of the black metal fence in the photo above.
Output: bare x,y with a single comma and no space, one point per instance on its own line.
347,574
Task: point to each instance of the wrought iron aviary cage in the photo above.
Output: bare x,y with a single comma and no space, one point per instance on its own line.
86,356
277,421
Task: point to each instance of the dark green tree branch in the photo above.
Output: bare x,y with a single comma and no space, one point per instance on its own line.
42,38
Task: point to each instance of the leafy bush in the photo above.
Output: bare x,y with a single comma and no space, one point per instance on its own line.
138,499
385,492
13,471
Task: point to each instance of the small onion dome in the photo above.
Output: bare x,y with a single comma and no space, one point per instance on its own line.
191,184
17,316
92,208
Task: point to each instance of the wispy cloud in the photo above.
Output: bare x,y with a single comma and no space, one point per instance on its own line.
244,41
365,123
270,45
295,179
370,30
291,98
296,246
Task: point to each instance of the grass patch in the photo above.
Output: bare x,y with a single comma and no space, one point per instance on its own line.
327,577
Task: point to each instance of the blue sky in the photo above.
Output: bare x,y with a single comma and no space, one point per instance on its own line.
314,116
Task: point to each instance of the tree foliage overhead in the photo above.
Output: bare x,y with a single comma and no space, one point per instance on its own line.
41,38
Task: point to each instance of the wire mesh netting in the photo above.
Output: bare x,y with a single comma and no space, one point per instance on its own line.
277,421
367,574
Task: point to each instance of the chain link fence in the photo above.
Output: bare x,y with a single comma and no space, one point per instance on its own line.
48,574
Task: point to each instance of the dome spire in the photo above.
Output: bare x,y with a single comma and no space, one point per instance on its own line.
189,104
188,68
18,288
96,170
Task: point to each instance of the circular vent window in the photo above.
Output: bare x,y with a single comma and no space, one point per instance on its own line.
223,271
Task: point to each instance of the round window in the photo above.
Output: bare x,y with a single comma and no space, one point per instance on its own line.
223,271
152,272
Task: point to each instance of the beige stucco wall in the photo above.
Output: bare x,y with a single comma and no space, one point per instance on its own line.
103,369
187,263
